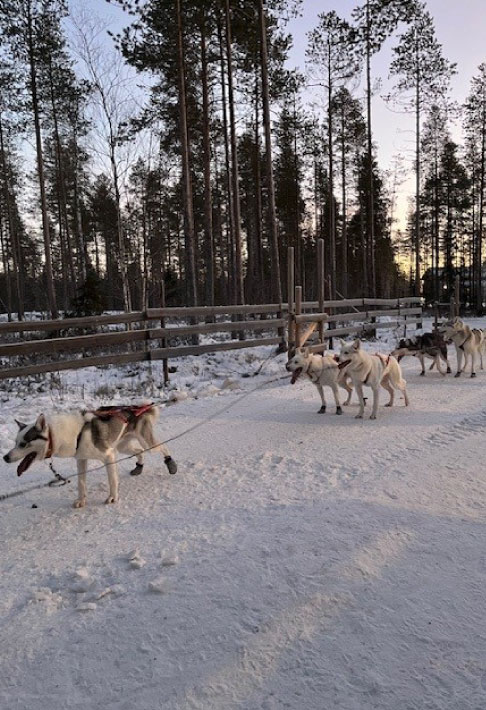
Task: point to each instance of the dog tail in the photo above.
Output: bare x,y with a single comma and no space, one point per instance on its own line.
395,374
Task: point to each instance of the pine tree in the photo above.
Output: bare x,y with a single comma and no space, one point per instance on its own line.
421,68
330,52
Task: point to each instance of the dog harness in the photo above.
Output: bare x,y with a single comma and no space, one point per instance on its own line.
50,444
126,413
384,361
465,341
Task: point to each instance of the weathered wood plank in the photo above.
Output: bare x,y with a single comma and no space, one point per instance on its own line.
72,364
184,350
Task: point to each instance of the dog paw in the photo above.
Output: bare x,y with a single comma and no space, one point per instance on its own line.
422,374
458,374
473,374
171,465
137,470
339,410
322,410
80,503
373,416
359,416
111,499
386,405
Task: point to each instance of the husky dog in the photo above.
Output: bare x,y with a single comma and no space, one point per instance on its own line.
372,371
323,371
83,435
430,345
467,341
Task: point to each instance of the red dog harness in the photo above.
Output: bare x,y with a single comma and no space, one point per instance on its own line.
125,413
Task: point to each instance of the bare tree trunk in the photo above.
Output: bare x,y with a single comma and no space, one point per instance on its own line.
239,290
6,265
12,227
344,235
61,190
276,284
259,257
208,199
332,219
51,294
482,177
229,208
189,229
371,203
417,173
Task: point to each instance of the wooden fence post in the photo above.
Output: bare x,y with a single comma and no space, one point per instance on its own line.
320,285
457,295
163,342
290,299
298,312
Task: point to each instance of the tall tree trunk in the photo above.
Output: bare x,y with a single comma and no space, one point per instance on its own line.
230,228
239,290
51,293
482,178
344,235
61,183
417,171
6,265
189,229
259,258
81,242
332,217
208,199
272,212
13,231
370,212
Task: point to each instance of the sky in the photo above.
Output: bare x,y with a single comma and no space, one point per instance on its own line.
460,28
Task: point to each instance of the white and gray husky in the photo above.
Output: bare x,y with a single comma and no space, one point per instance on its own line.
98,435
323,371
469,342
371,371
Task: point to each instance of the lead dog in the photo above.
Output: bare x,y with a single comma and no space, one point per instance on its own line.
371,371
430,345
468,342
83,435
323,371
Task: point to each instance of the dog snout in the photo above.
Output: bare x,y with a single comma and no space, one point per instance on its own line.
6,458
287,366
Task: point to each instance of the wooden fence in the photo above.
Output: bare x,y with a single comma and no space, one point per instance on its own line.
36,347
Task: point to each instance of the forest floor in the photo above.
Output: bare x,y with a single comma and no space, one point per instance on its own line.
297,560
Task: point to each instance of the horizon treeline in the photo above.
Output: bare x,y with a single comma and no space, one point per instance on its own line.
181,156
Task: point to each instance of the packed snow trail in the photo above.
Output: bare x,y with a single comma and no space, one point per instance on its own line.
297,560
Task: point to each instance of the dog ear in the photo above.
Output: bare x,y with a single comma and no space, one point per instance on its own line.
305,352
342,342
20,425
40,423
357,344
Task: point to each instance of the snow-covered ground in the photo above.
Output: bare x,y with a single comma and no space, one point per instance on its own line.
297,560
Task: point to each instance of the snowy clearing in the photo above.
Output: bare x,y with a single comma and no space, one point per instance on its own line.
296,560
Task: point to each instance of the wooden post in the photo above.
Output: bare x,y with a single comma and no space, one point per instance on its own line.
298,312
163,342
436,316
290,299
457,295
320,285
452,308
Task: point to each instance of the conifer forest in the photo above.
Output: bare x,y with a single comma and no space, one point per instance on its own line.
181,153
